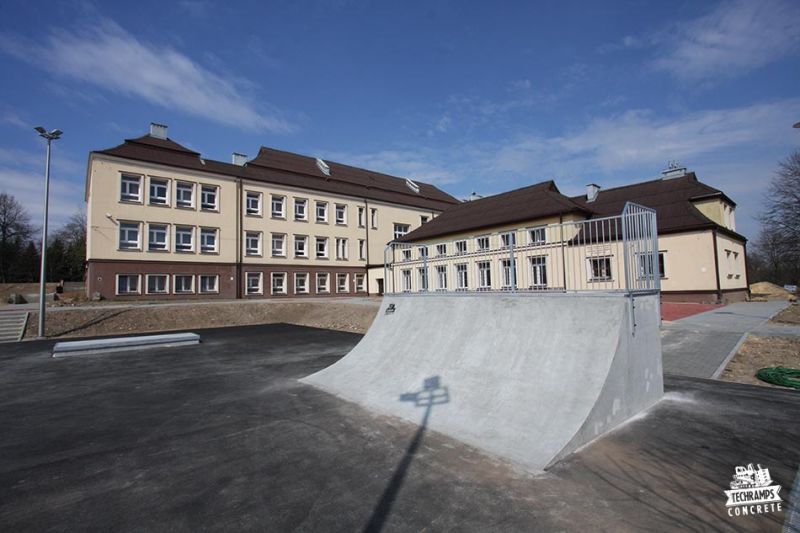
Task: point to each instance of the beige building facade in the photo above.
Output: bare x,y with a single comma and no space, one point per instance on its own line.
163,222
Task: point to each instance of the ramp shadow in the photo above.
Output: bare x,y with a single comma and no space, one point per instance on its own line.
432,393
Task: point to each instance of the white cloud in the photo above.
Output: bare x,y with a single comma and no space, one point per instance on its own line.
107,56
736,37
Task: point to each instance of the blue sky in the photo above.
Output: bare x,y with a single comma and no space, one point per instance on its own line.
471,96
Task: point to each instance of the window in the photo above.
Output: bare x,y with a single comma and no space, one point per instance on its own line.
159,191
157,237
662,271
253,203
208,197
484,275
599,269
253,285
361,213
184,194
423,252
128,235
322,247
422,220
373,218
645,265
208,240
209,284
252,243
482,242
184,284
130,188
341,282
406,276
406,254
341,214
736,264
423,278
509,239
341,248
322,282
184,238
322,211
279,283
128,284
157,284
361,285
278,206
441,249
461,247
441,278
300,246
278,245
538,272
537,236
300,209
400,230
461,277
362,249
301,283
509,273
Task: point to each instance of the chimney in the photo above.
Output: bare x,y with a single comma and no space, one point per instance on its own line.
239,159
592,190
159,131
673,170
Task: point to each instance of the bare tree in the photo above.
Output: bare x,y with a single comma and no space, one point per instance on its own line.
15,230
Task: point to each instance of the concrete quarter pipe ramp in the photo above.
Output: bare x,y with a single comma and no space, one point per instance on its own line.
529,378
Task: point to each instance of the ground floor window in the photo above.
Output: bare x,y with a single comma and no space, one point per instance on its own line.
341,282
406,275
423,278
462,283
441,278
361,285
184,284
484,275
128,284
538,272
600,269
278,283
301,283
253,285
509,273
209,283
323,280
157,284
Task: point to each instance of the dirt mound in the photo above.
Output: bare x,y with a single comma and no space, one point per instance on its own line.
770,291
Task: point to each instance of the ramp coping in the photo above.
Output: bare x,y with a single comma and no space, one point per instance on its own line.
124,343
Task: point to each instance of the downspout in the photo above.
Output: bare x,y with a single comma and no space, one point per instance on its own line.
716,265
239,227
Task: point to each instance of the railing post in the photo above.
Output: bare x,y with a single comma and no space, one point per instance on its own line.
512,267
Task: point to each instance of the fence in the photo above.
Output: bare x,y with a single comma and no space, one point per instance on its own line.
611,254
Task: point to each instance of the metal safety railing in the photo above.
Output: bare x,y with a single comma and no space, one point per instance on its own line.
611,254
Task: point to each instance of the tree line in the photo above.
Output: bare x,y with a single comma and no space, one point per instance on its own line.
776,254
20,246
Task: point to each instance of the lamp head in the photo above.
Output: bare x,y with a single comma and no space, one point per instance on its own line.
41,130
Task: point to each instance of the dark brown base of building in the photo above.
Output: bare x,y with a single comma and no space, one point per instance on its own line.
706,297
101,278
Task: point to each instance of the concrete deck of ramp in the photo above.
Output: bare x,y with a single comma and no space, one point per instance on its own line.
529,378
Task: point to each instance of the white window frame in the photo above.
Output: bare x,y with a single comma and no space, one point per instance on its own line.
183,186
128,227
538,271
205,192
508,269
256,199
204,233
249,238
342,276
327,277
424,279
259,289
158,200
508,239
590,269
462,276
200,288
405,277
317,241
537,235
341,249
483,239
484,282
441,250
362,249
324,218
423,219
461,247
280,201
179,229
147,283
138,279
273,277
162,228
124,188
362,211
360,282
281,250
298,239
340,209
422,251
304,289
373,217
406,253
441,277
175,283
297,203
400,230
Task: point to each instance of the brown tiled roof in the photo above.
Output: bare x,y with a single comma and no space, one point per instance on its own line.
285,168
536,201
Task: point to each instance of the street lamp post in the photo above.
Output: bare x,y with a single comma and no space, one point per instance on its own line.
50,136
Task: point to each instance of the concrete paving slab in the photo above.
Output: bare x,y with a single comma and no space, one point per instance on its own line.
222,436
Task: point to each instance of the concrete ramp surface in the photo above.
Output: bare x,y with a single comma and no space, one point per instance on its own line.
529,378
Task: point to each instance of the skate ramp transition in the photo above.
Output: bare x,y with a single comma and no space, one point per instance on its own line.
530,378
